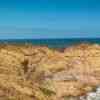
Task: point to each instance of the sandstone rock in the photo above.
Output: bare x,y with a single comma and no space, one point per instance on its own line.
27,72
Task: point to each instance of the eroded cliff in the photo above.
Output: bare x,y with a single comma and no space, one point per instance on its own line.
39,73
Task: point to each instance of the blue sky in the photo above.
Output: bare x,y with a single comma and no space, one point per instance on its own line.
49,18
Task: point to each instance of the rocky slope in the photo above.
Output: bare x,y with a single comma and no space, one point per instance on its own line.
30,72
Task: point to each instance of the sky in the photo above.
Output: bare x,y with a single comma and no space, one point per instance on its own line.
49,19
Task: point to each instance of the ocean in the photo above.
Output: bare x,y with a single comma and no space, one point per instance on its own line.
52,43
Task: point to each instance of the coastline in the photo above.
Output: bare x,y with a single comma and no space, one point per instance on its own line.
52,43
28,71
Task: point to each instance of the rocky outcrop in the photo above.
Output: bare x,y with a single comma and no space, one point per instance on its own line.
30,72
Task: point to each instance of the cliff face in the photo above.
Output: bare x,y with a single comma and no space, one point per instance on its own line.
39,73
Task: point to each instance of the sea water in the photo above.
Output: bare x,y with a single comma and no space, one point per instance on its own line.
53,43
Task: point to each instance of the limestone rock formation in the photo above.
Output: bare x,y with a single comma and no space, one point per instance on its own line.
30,72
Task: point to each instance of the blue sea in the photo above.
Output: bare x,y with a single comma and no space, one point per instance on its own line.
53,43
